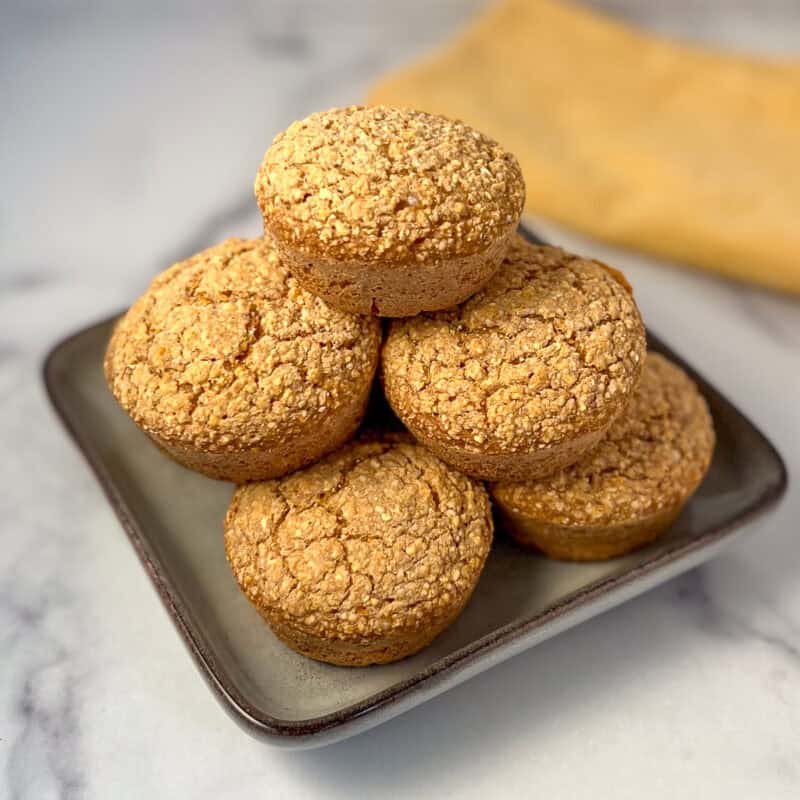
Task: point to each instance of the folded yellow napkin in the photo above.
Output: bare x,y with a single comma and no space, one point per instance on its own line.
676,150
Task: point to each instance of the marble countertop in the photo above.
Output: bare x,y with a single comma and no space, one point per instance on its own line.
130,138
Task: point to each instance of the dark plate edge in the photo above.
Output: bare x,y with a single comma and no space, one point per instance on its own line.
265,725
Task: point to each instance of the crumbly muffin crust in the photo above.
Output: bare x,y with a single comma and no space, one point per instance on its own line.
548,351
363,557
388,186
226,353
651,460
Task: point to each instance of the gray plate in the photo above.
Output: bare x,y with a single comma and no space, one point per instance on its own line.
173,518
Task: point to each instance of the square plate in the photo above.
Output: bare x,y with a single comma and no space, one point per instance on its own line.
173,518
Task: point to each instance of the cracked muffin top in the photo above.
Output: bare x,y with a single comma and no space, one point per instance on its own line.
651,459
388,185
551,348
226,352
380,538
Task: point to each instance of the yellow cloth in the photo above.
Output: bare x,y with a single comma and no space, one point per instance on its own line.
680,151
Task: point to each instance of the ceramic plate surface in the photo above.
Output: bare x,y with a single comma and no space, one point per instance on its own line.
173,518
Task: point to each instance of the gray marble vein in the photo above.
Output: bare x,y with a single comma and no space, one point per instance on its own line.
238,215
131,133
693,592
25,278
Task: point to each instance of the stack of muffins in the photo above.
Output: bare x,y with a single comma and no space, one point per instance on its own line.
511,363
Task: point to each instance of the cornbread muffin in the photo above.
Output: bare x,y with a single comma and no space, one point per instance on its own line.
389,211
528,374
631,487
238,372
363,558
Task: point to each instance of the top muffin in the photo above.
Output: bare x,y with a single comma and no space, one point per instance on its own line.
386,188
383,184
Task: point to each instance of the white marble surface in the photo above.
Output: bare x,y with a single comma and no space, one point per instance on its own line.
129,138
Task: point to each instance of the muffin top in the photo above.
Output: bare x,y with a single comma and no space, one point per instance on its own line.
549,349
380,184
226,352
653,457
379,538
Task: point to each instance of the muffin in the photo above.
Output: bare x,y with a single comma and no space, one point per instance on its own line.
238,372
363,558
389,211
525,376
630,488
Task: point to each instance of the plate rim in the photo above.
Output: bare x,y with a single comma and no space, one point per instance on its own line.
264,725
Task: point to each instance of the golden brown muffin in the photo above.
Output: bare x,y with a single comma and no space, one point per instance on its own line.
631,487
389,211
363,558
238,372
528,374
